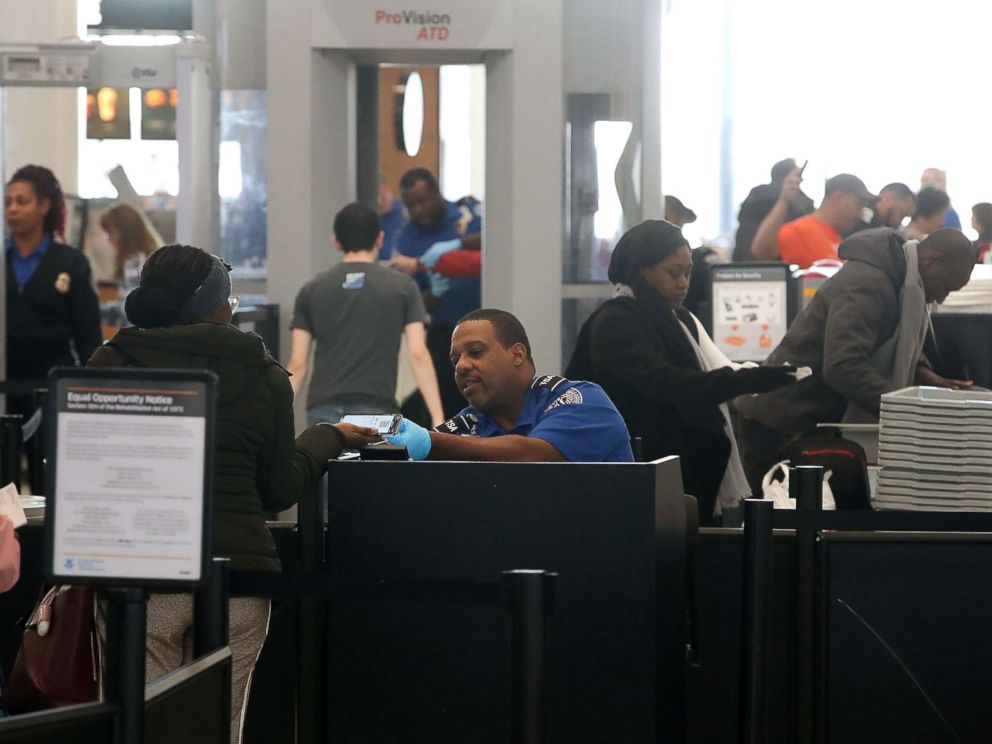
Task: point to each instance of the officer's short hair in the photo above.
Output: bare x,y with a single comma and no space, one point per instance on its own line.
412,176
356,227
508,329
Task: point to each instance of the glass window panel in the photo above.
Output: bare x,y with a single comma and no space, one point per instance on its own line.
241,182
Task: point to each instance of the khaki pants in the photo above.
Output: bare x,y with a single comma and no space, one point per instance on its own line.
169,643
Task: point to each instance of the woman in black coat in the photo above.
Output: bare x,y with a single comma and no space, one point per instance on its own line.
182,320
665,375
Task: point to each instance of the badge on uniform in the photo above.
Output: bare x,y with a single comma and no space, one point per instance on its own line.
571,397
62,283
355,280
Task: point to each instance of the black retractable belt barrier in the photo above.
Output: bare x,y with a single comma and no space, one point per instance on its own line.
530,598
21,387
210,610
125,668
858,520
754,631
806,487
11,431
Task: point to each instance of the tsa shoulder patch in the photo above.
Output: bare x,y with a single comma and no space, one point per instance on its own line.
551,382
466,426
571,397
354,280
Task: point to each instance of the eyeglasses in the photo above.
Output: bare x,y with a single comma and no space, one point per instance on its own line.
234,301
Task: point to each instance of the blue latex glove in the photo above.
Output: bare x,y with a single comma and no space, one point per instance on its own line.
439,284
433,254
416,439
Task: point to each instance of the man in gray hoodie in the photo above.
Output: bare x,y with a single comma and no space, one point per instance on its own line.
862,335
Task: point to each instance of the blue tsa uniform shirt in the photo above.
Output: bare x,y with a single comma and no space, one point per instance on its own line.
461,218
577,418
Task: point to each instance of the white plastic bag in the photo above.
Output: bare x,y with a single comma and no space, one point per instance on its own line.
777,491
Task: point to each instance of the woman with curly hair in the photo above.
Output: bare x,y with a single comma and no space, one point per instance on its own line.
53,315
52,310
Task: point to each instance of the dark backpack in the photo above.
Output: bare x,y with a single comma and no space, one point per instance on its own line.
845,459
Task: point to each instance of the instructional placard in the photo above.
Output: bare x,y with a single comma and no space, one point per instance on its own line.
750,310
132,471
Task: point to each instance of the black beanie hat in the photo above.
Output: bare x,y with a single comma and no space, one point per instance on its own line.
644,245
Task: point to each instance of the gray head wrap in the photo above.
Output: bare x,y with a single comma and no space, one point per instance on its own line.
210,296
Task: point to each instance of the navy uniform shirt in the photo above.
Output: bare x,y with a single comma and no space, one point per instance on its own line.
391,222
461,218
577,418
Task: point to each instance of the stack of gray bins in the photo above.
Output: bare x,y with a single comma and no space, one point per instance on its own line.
933,450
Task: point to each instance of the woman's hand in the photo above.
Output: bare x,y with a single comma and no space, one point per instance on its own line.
357,436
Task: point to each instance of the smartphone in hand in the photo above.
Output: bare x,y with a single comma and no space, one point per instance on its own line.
384,423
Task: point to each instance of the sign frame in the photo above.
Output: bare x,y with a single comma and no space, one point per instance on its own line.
201,380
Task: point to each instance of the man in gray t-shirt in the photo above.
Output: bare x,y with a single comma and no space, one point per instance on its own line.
356,313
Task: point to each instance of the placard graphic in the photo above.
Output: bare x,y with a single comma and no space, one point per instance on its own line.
750,313
129,479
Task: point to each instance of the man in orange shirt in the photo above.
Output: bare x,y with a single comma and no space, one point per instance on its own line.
815,236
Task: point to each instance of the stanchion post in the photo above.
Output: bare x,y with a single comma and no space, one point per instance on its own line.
530,599
12,432
637,448
125,654
806,487
210,610
38,444
754,627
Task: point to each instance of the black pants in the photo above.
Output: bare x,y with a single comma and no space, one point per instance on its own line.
760,448
439,346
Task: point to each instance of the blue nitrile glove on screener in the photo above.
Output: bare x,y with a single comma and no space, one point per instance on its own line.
439,284
414,437
433,254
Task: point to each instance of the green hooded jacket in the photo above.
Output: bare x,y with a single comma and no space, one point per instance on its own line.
259,466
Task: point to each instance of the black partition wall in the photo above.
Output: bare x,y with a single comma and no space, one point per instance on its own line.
419,637
901,626
906,648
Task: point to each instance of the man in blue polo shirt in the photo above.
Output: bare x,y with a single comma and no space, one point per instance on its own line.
513,415
435,227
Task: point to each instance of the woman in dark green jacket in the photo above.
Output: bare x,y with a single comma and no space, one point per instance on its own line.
181,313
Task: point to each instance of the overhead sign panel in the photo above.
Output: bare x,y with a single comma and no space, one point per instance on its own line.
388,24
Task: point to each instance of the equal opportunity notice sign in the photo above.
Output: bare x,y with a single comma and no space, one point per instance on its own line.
129,476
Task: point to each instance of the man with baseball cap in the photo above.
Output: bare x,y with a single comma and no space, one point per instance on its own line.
815,236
